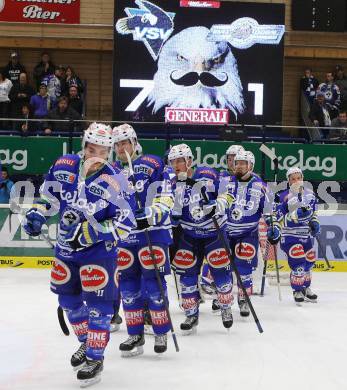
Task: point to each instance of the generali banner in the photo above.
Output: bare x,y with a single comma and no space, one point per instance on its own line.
40,11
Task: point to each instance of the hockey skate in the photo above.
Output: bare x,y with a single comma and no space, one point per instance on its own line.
148,323
309,295
244,308
90,373
133,346
78,359
215,306
227,318
160,343
115,323
189,325
299,297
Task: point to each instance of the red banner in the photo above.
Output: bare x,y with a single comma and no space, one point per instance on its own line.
197,115
200,3
40,11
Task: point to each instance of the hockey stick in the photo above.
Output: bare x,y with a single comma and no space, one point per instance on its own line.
225,244
320,246
150,246
276,265
262,289
62,322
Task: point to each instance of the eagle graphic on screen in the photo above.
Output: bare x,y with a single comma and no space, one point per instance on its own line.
196,73
149,24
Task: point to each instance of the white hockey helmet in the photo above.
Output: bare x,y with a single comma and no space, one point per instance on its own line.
98,134
181,150
245,155
292,170
124,132
234,149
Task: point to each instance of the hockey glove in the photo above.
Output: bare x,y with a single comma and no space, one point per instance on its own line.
315,228
302,214
81,235
33,222
273,234
149,216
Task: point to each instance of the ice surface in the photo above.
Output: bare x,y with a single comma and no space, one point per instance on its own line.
301,348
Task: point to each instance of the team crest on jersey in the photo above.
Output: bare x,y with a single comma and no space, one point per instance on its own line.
70,217
60,273
236,214
146,257
245,251
297,251
65,176
184,259
93,277
149,24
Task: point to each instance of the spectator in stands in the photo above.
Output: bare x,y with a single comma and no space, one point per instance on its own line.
309,85
25,127
5,88
40,104
341,81
319,113
5,185
331,93
75,101
14,68
20,94
44,68
72,79
53,84
61,112
340,121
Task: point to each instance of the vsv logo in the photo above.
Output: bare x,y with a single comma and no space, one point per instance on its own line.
149,24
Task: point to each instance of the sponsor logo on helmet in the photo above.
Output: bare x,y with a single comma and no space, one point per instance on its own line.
245,251
297,251
184,259
218,258
146,257
93,277
125,259
60,273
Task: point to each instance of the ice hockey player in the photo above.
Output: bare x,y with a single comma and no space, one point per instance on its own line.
199,237
252,201
138,282
230,156
94,203
298,217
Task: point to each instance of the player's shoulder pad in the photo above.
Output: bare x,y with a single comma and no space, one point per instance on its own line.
117,165
152,160
283,196
205,172
224,173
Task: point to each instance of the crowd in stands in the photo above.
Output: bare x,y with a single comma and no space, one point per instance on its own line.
328,102
56,94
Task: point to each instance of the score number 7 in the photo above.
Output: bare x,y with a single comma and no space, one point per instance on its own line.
147,86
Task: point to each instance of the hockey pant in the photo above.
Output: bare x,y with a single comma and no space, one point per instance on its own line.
301,258
138,286
86,293
188,261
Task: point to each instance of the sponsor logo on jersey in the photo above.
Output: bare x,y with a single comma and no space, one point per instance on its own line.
311,255
93,277
159,317
97,190
111,181
146,258
97,338
60,273
151,160
133,317
141,168
245,251
65,176
72,198
297,251
218,258
66,161
125,259
208,172
184,259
